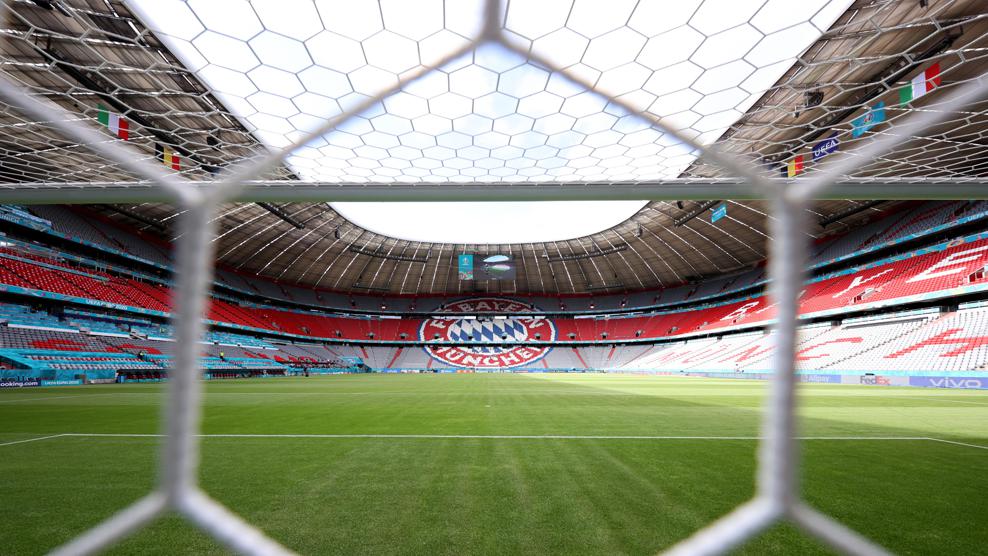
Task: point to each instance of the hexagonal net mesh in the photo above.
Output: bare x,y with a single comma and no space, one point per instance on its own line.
191,102
570,92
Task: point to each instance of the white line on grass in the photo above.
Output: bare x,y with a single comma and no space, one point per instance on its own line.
958,443
46,398
530,392
31,439
946,400
493,437
497,436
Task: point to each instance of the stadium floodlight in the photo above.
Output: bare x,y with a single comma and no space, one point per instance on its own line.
594,54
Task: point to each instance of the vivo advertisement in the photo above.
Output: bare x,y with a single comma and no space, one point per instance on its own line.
970,382
957,382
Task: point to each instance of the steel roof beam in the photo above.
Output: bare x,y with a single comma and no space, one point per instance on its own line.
277,211
695,211
154,223
850,211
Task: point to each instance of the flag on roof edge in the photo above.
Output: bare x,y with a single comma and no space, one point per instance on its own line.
921,84
168,156
872,117
116,123
795,166
826,147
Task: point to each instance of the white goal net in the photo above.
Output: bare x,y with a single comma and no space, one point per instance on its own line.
204,103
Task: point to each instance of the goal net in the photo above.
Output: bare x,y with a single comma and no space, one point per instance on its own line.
201,106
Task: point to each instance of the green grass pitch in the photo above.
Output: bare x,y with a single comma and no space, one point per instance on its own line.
485,495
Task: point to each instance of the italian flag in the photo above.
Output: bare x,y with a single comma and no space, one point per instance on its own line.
795,166
168,156
921,84
116,123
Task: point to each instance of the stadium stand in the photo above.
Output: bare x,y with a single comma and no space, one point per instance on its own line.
924,273
927,342
78,226
20,316
737,342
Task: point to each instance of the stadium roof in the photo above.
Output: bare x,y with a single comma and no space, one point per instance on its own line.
222,81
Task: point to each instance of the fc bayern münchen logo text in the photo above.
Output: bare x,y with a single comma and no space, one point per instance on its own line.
480,337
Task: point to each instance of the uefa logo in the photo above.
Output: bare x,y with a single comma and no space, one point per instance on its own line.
485,333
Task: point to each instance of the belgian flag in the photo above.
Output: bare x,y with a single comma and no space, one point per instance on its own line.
168,156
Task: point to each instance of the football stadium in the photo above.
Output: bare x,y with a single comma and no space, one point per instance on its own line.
493,277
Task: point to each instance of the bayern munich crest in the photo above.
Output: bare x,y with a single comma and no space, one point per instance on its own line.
487,330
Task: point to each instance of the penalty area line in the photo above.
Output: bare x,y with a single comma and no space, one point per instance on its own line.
46,398
958,443
31,439
494,436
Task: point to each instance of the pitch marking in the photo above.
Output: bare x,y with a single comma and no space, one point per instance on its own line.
499,436
31,439
495,437
958,443
946,400
41,399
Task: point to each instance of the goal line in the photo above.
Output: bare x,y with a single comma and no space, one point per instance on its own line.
492,437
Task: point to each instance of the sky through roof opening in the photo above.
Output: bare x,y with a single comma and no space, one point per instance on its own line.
523,222
283,66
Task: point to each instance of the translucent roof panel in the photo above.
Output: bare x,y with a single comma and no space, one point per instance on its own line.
491,115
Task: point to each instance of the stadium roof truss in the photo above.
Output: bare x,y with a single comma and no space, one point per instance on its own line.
930,147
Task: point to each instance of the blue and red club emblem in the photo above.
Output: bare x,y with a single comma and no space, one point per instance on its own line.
476,340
